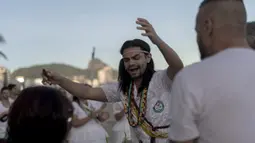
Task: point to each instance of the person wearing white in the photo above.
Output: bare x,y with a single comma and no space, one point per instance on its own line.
4,108
121,129
143,91
213,101
14,91
157,111
100,116
85,127
3,124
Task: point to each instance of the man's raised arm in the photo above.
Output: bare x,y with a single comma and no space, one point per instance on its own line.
171,57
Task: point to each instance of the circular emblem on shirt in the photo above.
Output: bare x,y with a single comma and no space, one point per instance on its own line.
158,107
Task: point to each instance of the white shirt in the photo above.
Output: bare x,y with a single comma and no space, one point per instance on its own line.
88,130
121,125
11,100
158,93
215,99
3,125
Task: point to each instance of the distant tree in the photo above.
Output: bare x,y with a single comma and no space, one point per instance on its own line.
2,39
5,81
2,54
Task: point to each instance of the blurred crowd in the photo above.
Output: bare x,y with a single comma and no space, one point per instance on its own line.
51,114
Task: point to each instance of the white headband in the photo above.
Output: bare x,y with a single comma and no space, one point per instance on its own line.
135,51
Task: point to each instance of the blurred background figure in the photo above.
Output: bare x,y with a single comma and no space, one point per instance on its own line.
14,92
251,34
4,108
39,115
103,116
121,130
86,127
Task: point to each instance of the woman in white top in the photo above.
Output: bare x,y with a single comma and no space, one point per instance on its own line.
4,108
85,128
121,130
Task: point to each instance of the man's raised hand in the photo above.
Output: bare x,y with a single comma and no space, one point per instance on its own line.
149,30
50,77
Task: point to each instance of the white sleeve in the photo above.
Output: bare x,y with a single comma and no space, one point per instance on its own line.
111,91
184,109
95,104
117,107
77,109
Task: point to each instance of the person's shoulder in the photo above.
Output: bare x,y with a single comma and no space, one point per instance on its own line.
198,68
207,66
187,70
191,70
160,73
160,78
230,54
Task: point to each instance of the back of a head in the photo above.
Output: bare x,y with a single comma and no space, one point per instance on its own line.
11,86
251,34
226,14
220,24
4,88
39,115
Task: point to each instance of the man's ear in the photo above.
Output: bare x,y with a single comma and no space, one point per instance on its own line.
208,26
148,58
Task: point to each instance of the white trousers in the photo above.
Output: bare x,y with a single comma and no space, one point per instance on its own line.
119,136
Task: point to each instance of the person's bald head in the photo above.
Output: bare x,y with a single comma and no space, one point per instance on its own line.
251,34
219,24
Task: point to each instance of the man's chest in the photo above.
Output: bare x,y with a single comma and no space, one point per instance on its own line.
157,105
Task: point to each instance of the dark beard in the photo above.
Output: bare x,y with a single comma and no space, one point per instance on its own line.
137,77
202,49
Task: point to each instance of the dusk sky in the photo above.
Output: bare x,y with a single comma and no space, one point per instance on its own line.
64,31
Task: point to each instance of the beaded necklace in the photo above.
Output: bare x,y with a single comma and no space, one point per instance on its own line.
129,96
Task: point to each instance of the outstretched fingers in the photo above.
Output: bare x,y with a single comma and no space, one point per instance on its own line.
145,26
46,77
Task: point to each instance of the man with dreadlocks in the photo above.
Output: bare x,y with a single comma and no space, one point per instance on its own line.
143,91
